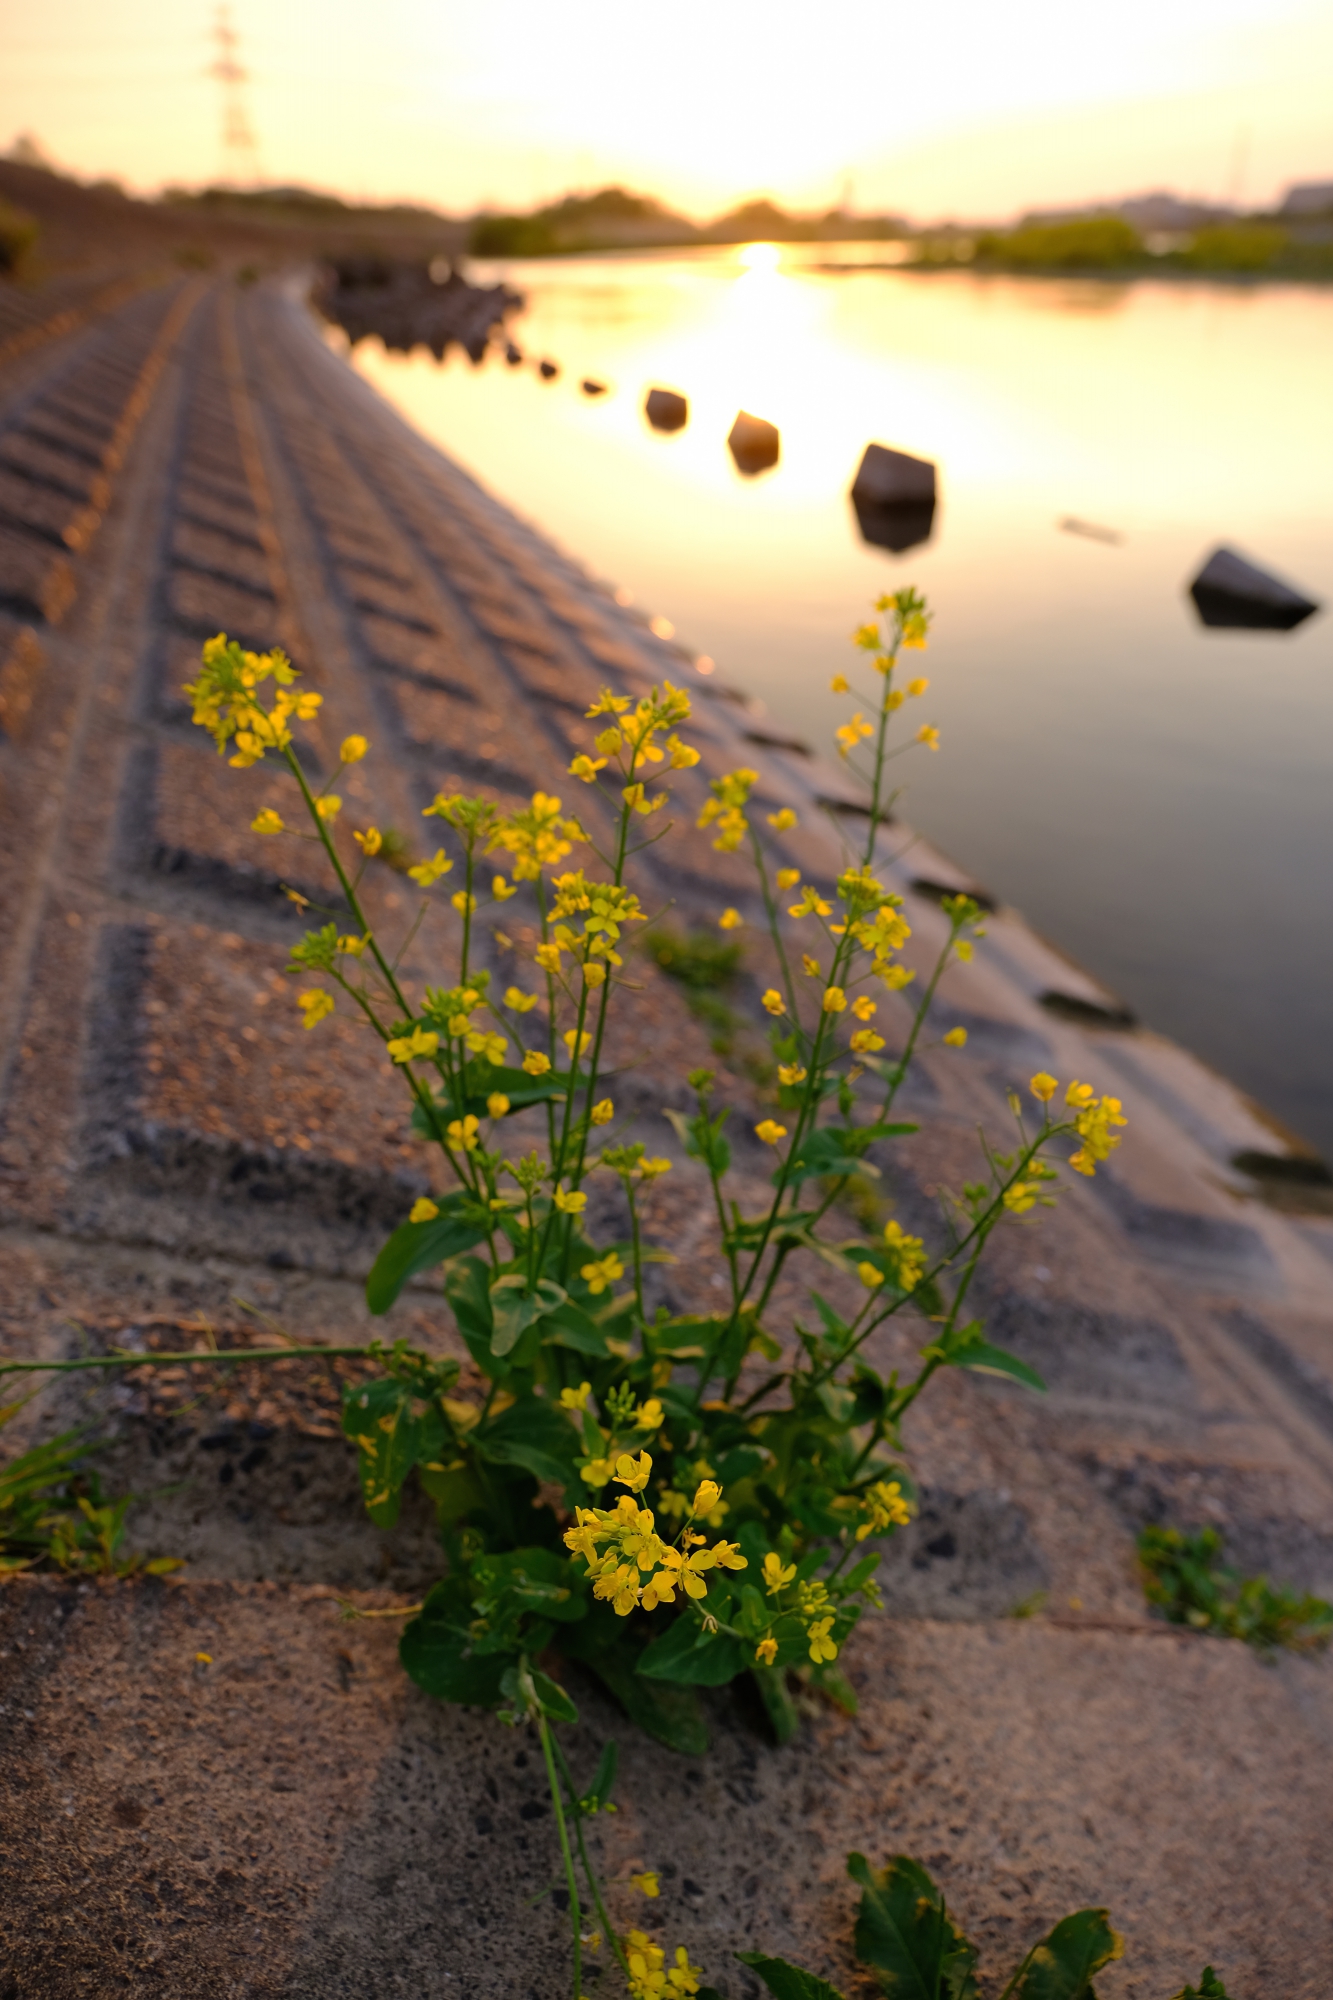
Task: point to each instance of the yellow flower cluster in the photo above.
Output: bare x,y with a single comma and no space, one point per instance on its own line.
226,701
629,1562
1094,1117
726,809
538,837
908,1254
650,1978
884,1506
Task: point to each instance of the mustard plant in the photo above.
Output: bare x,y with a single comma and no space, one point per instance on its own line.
673,1499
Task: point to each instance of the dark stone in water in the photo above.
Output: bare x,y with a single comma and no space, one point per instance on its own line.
902,525
665,410
591,388
894,497
754,444
888,478
547,370
513,355
1234,595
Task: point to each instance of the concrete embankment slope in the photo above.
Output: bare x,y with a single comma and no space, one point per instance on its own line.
295,1819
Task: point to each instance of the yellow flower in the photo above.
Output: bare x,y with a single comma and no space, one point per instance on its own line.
535,1063
502,890
267,822
1019,1198
821,1646
421,1042
790,1074
766,1652
865,1042
652,1167
423,1210
315,1003
682,755
730,920
586,767
637,799
328,807
427,872
811,900
834,1000
865,1009
371,841
853,732
634,1472
885,1507
839,684
783,821
956,1038
354,749
773,1002
548,957
908,1254
491,1046
596,1472
594,975
608,704
706,1497
576,1399
895,977
787,878
603,1113
918,686
497,1104
930,737
1079,1095
777,1575
894,700
352,947
572,1035
870,1277
462,1132
811,966
463,903
522,1003
650,1416
1043,1087
570,1204
646,1883
770,1132
602,1273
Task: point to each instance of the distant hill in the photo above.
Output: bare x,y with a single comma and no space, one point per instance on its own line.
614,219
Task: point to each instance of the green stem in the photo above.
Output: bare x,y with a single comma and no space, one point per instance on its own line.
218,1354
575,1913
593,1884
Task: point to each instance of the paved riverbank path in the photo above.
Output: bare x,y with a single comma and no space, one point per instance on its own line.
183,456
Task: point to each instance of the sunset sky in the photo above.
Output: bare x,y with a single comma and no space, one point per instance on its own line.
959,107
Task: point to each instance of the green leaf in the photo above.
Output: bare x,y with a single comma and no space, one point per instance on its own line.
392,1428
533,1434
550,1696
436,1651
778,1704
481,1080
905,1932
1209,1987
599,1791
1061,1967
692,1657
670,1715
514,1309
417,1246
467,1286
573,1328
534,1579
835,1151
964,1348
788,1982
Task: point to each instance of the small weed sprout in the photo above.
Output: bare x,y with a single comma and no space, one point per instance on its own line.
1184,1579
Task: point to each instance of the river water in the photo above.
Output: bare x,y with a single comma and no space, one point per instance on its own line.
1156,796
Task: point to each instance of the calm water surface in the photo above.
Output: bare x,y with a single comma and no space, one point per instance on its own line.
1156,797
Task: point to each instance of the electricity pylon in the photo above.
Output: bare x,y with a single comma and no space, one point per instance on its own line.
240,151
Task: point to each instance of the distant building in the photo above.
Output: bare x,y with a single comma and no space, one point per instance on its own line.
1308,198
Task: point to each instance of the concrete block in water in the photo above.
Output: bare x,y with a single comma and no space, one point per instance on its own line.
1232,593
666,411
754,444
894,497
547,370
592,388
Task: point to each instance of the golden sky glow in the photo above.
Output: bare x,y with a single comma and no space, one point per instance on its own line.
955,107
